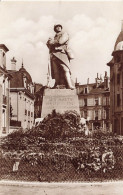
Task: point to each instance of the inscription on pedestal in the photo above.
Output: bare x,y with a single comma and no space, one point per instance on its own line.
59,99
59,92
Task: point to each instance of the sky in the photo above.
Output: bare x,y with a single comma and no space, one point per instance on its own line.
93,28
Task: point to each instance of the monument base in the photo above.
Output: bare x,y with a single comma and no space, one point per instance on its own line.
59,99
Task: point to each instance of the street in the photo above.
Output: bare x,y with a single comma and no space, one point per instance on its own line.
35,188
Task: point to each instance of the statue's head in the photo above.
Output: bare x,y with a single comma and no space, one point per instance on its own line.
57,28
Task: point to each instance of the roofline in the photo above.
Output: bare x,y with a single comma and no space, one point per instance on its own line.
2,46
94,93
24,90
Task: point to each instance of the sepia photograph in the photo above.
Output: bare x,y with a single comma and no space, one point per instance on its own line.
61,97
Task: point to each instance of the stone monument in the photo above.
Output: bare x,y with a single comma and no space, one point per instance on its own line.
62,97
59,99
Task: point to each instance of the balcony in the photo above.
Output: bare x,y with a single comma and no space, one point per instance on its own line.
4,100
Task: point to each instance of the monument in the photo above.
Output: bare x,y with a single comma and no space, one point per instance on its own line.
62,96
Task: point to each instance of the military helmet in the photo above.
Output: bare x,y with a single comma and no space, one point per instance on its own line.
55,26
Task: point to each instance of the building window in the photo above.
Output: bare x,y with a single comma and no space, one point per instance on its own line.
107,101
104,114
25,112
86,90
96,114
4,63
28,113
107,114
4,100
85,114
82,113
85,102
107,125
118,100
31,114
118,78
96,101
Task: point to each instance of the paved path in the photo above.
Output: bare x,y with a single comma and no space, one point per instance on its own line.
35,188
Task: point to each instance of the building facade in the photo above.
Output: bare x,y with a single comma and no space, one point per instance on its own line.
4,92
94,103
38,93
21,98
116,85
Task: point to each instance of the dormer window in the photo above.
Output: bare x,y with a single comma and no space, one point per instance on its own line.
33,89
24,81
28,87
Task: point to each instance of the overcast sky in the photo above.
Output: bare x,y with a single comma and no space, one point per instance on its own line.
92,26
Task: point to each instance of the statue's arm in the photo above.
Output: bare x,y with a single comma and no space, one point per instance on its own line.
63,39
52,44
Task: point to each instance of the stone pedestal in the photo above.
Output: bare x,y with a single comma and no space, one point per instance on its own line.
59,99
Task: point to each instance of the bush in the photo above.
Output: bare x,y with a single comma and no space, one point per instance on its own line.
57,125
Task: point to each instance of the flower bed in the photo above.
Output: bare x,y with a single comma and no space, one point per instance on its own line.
63,162
45,155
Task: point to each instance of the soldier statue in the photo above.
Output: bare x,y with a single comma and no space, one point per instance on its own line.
60,56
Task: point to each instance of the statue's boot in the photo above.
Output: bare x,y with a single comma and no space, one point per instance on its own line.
68,80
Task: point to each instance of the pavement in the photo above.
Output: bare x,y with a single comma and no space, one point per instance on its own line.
37,188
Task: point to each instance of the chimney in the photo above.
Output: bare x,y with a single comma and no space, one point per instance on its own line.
13,64
106,81
97,80
97,76
87,81
76,83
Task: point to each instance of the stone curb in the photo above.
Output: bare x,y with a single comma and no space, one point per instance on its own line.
57,185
